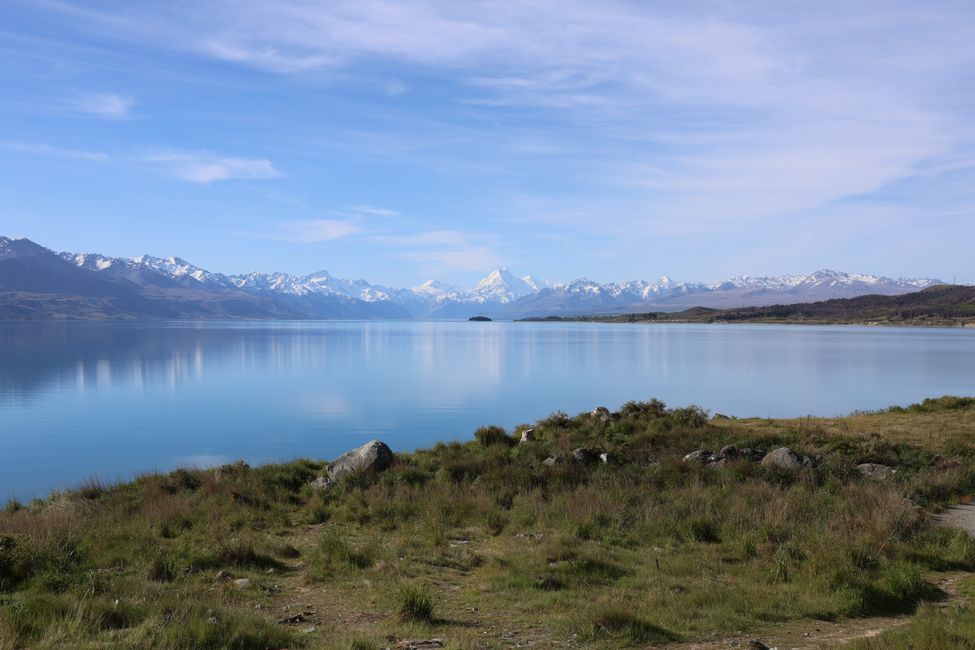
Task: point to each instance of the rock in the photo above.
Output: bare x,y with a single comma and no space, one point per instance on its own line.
601,414
720,416
374,456
786,459
607,458
755,644
528,435
752,454
876,471
242,583
322,483
551,461
585,456
427,644
728,451
702,456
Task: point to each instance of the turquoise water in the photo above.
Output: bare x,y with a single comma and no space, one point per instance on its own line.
108,400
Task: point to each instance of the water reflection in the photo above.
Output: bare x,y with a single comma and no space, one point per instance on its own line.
110,399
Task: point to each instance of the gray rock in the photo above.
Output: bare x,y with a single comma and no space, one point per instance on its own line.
876,471
752,454
551,461
728,451
528,435
702,456
787,459
585,456
600,413
426,644
242,583
374,456
322,483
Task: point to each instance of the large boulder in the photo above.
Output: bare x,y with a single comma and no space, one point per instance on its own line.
374,456
876,471
786,459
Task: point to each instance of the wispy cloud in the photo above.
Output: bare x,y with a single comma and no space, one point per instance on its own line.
445,250
41,149
372,211
317,230
207,167
106,105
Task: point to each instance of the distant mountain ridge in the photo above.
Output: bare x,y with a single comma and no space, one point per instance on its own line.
38,283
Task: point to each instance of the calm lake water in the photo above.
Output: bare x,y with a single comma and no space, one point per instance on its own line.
108,400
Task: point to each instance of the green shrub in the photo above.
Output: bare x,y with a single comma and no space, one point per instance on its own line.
619,625
493,435
415,603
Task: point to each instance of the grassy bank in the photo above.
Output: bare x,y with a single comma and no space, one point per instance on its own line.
483,545
937,306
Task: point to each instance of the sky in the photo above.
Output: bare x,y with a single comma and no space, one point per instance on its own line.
401,140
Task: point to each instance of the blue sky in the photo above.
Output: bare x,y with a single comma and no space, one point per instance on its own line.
397,141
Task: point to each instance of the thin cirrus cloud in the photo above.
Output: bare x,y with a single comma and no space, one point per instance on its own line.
206,167
317,230
444,250
105,105
42,149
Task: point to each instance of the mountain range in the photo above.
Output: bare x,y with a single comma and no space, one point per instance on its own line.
36,282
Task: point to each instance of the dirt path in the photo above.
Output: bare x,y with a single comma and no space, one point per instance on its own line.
960,516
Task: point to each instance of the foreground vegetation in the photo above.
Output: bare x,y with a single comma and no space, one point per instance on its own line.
482,544
938,306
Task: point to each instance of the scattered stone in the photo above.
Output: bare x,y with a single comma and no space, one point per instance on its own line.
787,459
728,451
528,435
242,583
753,454
876,471
322,483
294,619
601,413
552,461
585,456
374,456
428,644
702,456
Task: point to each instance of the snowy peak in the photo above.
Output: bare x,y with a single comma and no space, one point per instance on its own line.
503,286
433,289
501,293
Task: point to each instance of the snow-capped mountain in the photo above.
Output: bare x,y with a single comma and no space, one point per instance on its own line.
182,289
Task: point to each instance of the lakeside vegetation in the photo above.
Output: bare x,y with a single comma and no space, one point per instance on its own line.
938,306
496,542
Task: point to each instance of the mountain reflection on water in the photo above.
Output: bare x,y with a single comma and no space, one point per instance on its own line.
110,399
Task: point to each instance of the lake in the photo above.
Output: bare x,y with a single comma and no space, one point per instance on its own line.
109,400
